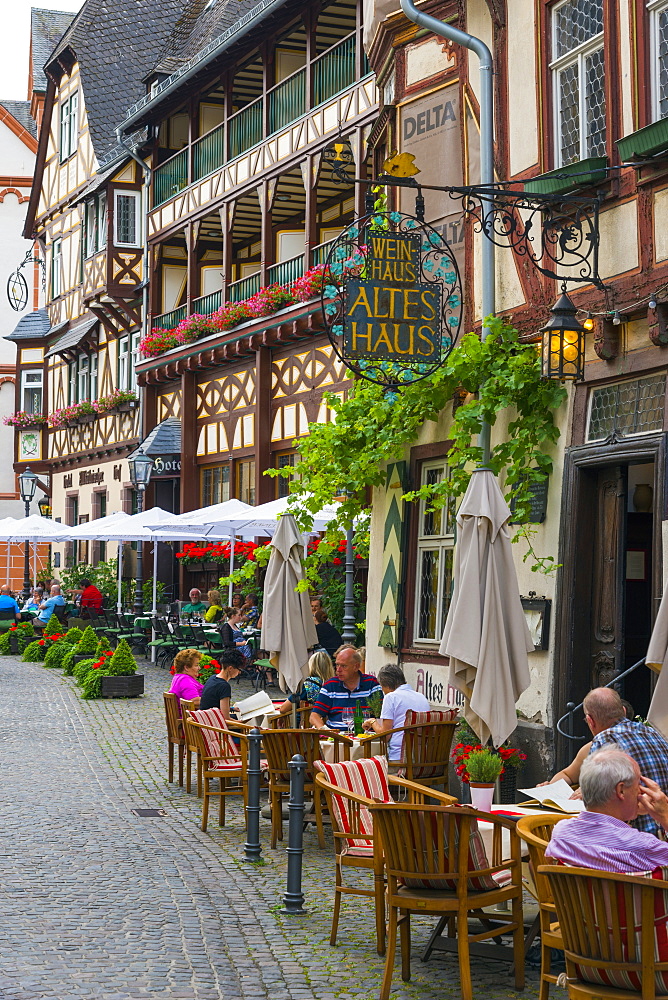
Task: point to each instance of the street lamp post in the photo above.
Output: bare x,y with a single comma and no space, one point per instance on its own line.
349,633
27,487
141,467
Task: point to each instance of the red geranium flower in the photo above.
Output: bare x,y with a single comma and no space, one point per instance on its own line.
42,642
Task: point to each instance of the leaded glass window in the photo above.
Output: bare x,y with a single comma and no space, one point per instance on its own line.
658,20
627,408
578,74
436,541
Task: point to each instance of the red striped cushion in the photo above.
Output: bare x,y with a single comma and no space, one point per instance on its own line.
477,860
621,978
220,747
364,777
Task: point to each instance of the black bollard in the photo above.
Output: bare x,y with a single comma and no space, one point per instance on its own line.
252,847
293,899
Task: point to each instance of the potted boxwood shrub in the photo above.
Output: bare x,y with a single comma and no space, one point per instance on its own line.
114,676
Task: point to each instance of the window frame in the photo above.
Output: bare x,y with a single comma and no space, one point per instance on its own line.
122,361
136,197
283,485
443,542
57,282
69,126
654,9
25,387
239,465
207,492
577,55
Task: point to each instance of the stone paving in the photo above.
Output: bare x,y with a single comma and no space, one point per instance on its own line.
100,904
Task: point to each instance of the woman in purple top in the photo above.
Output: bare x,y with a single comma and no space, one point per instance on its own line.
186,670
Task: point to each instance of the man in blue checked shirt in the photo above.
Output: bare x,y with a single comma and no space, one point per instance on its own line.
349,688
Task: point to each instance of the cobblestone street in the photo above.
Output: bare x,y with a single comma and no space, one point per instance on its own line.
101,904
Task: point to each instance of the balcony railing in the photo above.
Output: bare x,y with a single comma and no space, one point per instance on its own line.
287,101
237,291
170,177
245,129
206,304
209,152
320,252
286,272
168,320
334,70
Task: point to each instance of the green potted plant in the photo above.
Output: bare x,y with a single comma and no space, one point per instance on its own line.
483,767
114,676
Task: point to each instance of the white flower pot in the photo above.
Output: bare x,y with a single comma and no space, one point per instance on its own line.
481,796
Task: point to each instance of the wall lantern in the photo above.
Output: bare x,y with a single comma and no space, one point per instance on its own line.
44,507
563,342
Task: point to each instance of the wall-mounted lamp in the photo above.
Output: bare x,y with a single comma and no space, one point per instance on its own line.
563,342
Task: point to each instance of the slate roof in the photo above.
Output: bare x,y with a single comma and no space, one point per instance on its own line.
164,439
20,110
46,29
202,21
73,337
116,43
32,326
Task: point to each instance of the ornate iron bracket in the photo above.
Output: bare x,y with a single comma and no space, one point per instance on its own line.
558,233
17,286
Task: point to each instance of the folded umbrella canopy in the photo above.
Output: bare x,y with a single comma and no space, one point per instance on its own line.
655,658
288,630
486,635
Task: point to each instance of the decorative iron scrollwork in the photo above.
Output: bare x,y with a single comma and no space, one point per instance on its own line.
17,286
340,157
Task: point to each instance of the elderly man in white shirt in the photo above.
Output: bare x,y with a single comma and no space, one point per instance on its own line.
399,698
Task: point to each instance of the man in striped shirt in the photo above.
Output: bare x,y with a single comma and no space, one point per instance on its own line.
613,792
349,688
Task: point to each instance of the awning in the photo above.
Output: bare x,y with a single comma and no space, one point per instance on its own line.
79,331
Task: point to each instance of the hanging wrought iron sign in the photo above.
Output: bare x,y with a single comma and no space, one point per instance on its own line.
391,299
17,286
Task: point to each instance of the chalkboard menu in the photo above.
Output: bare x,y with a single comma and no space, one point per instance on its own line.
537,503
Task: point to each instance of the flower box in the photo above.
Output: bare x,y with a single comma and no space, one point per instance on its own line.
130,686
210,567
126,407
78,657
645,142
195,567
576,175
85,418
14,643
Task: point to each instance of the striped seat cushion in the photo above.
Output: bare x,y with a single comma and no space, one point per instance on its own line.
364,777
221,747
424,719
630,924
477,860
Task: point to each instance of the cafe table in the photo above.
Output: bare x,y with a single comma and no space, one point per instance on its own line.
357,751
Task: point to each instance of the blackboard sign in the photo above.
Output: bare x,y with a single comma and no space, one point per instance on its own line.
538,503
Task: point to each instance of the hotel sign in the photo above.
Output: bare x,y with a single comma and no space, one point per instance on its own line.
392,315
392,298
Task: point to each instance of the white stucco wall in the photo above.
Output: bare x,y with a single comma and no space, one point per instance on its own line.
522,77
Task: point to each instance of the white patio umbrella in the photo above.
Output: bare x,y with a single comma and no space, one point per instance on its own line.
657,654
486,635
192,524
263,520
287,621
97,531
7,521
34,528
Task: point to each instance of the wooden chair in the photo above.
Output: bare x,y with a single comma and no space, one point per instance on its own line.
436,864
614,932
536,832
188,706
220,759
355,843
425,755
280,746
285,721
175,734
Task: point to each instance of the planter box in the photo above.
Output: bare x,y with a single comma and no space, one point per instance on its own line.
123,687
195,567
86,418
125,407
645,142
575,175
29,427
14,644
78,657
211,567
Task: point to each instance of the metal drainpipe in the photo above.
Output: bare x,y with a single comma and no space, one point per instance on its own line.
486,158
148,173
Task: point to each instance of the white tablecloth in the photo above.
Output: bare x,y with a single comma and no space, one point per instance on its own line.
356,752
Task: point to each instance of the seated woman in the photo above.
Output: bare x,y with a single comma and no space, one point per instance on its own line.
233,637
399,698
217,691
215,610
186,671
320,669
33,602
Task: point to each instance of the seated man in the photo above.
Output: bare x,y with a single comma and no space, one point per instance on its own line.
7,602
613,792
46,608
350,687
196,606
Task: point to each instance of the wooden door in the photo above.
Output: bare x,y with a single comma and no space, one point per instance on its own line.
606,639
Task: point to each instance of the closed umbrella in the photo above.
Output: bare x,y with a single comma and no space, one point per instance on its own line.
486,635
288,630
655,658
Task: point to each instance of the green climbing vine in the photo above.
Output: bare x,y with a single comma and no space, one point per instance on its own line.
340,460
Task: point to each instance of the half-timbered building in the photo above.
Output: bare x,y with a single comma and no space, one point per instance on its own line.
82,348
